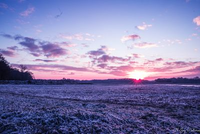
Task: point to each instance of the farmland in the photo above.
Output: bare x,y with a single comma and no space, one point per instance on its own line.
149,108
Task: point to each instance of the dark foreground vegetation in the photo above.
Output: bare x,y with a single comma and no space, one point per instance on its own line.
180,80
7,72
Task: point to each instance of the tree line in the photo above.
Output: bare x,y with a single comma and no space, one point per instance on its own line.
7,72
179,80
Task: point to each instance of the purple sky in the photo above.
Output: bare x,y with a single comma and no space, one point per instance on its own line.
101,39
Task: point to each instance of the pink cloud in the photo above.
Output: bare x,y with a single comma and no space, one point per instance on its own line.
86,37
159,59
8,53
175,69
180,64
194,69
143,26
126,68
53,67
73,75
137,55
145,45
130,37
27,12
103,65
118,73
197,20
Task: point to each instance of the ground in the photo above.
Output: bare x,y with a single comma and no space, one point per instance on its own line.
99,109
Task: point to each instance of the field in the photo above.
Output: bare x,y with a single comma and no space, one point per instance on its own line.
99,109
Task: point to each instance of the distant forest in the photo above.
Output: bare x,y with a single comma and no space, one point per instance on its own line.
179,80
7,72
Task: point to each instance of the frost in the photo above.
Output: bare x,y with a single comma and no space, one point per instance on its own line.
99,109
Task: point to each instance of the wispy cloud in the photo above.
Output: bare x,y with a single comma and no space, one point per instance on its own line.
27,12
8,53
86,37
194,69
197,20
171,42
13,48
130,37
137,55
42,60
37,47
58,15
107,58
145,45
53,67
178,64
4,6
143,26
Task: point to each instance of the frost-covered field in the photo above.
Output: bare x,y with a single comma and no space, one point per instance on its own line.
99,109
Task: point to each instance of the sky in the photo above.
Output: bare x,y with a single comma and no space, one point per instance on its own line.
102,39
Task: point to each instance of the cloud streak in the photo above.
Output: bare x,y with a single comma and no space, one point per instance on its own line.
130,37
27,12
42,60
108,58
143,26
145,45
4,6
53,67
80,37
8,53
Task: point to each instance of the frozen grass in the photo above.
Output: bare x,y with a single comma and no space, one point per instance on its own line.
99,109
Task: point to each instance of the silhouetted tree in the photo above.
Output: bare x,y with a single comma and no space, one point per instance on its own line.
23,68
9,73
4,68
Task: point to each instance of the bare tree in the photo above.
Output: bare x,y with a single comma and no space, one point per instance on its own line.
23,68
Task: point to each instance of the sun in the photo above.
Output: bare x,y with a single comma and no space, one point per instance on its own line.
137,74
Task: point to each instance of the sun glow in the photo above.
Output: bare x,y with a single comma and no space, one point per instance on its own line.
137,74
